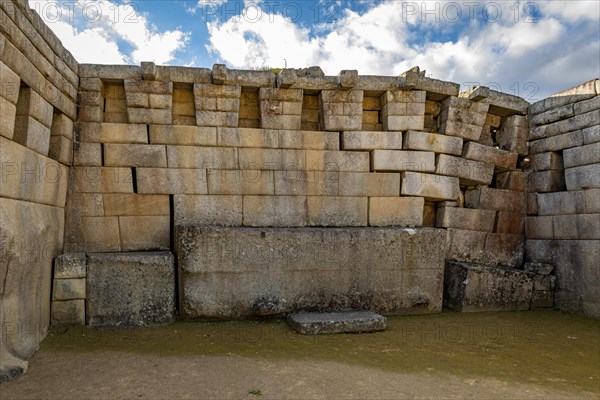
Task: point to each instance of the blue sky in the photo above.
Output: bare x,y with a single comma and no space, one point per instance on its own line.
529,48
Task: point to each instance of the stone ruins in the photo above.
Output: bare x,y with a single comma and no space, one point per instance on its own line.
134,194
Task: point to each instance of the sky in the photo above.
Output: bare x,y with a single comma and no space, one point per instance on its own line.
528,48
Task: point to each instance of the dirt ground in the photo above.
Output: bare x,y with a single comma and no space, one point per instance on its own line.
526,355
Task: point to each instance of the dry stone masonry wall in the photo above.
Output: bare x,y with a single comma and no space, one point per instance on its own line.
107,170
563,226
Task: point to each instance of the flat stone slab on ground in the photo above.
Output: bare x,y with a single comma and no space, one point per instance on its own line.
337,322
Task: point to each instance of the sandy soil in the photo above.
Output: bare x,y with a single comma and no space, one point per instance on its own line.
534,355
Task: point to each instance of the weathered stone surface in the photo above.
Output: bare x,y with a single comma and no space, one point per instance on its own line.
143,233
496,199
512,180
135,155
567,125
465,245
9,84
341,110
111,133
309,269
400,160
573,202
27,175
360,140
556,143
585,177
130,289
591,135
304,183
583,155
31,236
92,234
584,91
513,134
463,118
208,210
424,141
275,211
475,288
367,184
577,273
510,222
71,265
202,157
348,161
500,158
336,211
339,322
396,211
429,186
61,150
68,289
581,226
101,180
8,112
70,312
545,162
32,134
540,227
466,218
547,181
171,181
183,135
272,159
469,172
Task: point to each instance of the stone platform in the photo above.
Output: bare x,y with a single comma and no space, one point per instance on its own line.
227,273
338,322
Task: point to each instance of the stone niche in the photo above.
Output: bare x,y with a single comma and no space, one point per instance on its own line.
239,272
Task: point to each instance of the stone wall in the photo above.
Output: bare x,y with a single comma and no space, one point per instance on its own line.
563,226
163,146
38,94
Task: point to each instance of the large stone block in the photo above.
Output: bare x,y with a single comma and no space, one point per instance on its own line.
183,135
85,234
70,312
308,140
414,140
341,110
272,159
465,245
513,134
224,271
546,181
130,289
466,218
574,202
583,155
208,210
496,199
585,177
31,236
580,226
70,265
403,110
398,160
337,211
340,322
101,180
202,157
227,182
368,184
8,112
135,204
513,180
32,134
469,172
502,159
475,288
61,150
510,222
360,140
111,133
33,105
135,155
68,289
27,175
396,211
9,84
347,161
545,162
556,143
171,181
248,137
142,233
429,186
275,211
540,227
463,118
576,270
305,183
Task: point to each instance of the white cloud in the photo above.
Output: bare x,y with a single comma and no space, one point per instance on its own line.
493,44
93,30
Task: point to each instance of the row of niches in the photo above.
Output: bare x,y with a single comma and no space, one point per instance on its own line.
154,102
